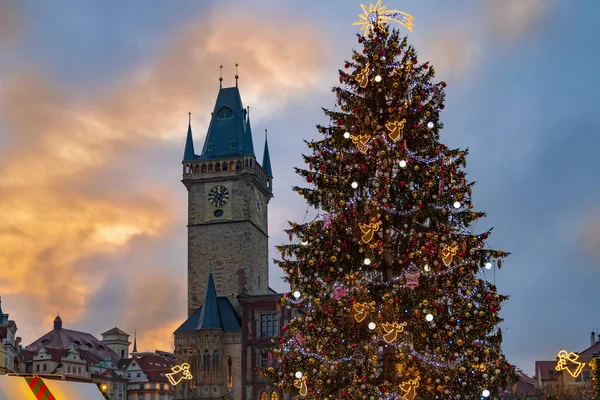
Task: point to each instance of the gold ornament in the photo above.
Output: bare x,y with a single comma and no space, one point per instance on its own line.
392,330
363,77
369,230
361,142
362,310
448,253
410,388
301,384
395,129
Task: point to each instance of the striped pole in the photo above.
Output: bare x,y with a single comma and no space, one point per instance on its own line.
39,389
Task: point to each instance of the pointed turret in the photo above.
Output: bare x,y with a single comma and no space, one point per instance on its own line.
248,143
134,352
189,154
266,164
228,129
210,317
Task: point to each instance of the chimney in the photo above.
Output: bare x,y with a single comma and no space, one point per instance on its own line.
593,338
57,323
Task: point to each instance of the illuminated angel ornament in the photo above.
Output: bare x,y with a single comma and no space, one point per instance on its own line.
395,129
361,142
392,330
568,362
301,384
368,231
179,373
362,310
377,15
448,254
410,388
362,78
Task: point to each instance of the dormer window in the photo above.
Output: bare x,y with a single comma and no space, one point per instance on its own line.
225,113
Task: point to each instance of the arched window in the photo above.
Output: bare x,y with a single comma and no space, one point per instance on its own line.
225,113
232,166
274,396
122,353
215,363
196,169
206,364
210,167
217,167
224,167
238,165
229,373
203,169
264,396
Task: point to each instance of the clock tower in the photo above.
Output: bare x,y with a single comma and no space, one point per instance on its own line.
228,195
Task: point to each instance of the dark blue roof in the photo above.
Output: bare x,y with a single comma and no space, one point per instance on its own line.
188,154
210,317
230,320
266,164
229,133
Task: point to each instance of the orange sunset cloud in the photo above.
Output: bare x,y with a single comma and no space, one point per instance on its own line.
83,220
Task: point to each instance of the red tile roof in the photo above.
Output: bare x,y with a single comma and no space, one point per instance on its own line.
153,366
62,338
592,350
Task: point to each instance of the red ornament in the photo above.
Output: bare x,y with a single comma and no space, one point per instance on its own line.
360,40
443,84
415,125
414,61
485,235
402,183
425,66
488,296
309,179
341,122
346,65
421,205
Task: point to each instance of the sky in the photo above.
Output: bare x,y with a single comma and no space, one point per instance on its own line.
94,102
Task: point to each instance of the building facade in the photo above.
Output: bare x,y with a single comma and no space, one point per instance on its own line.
230,303
79,356
9,344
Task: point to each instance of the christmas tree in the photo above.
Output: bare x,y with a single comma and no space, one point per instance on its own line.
388,282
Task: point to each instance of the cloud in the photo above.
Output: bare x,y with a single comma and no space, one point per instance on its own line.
513,19
452,51
10,21
590,233
82,207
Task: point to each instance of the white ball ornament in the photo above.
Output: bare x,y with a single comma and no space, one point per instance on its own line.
377,78
347,135
298,374
485,393
429,317
296,294
430,125
354,185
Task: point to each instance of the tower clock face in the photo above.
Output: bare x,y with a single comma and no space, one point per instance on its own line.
218,196
258,204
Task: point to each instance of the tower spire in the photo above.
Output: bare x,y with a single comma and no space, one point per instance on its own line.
188,153
134,342
210,265
236,74
221,78
266,164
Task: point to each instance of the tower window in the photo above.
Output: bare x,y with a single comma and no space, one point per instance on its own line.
232,144
225,113
218,213
210,147
264,396
274,396
229,373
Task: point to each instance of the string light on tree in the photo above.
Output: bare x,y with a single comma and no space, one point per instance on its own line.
296,294
354,185
486,393
488,265
429,317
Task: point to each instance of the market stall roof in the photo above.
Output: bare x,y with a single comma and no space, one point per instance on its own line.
18,388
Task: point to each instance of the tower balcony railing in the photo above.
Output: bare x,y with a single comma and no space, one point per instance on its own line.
192,169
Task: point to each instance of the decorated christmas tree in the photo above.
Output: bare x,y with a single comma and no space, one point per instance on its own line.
388,282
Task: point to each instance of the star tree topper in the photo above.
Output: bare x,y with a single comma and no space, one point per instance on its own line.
376,15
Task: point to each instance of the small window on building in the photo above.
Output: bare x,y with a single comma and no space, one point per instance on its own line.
259,282
138,374
225,113
232,144
274,396
210,147
264,359
217,167
45,367
215,363
229,373
122,353
37,368
264,396
268,325
129,375
79,370
69,369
